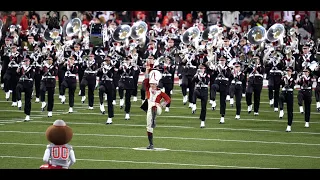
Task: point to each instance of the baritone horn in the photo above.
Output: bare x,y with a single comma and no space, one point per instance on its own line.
257,35
190,35
275,32
122,33
73,27
211,32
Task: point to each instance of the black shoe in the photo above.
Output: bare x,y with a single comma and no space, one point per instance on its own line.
318,109
150,146
213,108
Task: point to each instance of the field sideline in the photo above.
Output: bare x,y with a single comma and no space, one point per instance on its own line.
253,142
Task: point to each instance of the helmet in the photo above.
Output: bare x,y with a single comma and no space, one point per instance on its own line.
155,76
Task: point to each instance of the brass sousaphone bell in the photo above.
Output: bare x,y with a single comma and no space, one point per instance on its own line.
139,30
73,27
121,33
275,32
51,35
211,32
257,35
190,35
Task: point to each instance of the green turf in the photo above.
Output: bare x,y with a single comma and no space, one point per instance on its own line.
251,142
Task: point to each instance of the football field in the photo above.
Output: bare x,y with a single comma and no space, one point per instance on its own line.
253,142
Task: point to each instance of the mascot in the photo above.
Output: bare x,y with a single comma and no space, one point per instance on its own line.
59,154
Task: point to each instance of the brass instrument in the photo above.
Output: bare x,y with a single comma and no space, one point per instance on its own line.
73,27
139,32
122,33
190,35
51,35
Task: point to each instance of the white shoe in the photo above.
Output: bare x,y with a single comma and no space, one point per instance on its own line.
222,120
211,102
70,110
127,117
194,108
43,105
135,99
105,97
114,102
14,104
109,121
102,110
63,99
271,102
60,96
281,114
185,99
306,124
50,114
250,108
167,109
243,95
187,89
202,125
7,95
276,109
318,105
121,103
237,117
171,92
83,98
27,118
79,93
190,105
256,113
301,109
90,107
228,98
37,100
19,104
231,102
214,104
2,85
288,129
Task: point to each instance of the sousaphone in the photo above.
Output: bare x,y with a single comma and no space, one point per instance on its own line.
51,35
190,35
211,32
275,32
139,30
73,27
257,35
122,33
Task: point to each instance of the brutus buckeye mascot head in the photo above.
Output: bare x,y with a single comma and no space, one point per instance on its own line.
59,133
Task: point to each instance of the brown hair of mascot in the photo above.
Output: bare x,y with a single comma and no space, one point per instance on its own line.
59,133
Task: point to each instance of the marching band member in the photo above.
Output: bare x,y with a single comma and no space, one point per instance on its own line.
126,83
5,52
286,96
152,106
105,74
69,81
317,89
167,69
190,69
10,76
201,80
255,84
236,86
136,63
25,84
305,94
304,61
221,84
36,60
78,57
48,84
274,66
89,79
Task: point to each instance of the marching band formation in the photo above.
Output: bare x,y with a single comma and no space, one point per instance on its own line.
207,62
